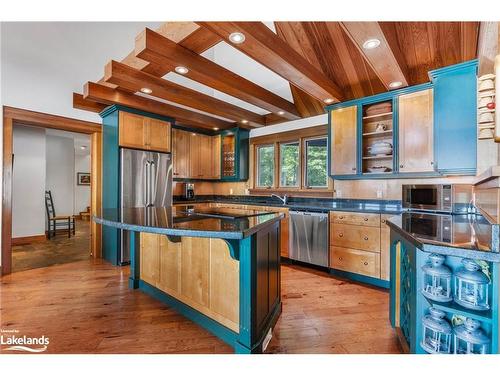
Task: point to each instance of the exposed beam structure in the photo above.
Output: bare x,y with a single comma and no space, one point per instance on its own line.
87,105
132,79
265,47
200,40
108,96
382,58
159,50
487,49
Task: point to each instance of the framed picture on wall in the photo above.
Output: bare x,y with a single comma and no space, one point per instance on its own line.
83,178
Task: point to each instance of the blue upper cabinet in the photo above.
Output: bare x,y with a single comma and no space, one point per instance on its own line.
455,118
234,154
426,130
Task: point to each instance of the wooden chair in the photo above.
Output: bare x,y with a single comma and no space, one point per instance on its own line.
55,222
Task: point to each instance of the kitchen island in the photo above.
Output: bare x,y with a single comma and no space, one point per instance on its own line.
445,270
218,267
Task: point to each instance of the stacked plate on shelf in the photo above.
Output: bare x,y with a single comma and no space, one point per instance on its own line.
486,106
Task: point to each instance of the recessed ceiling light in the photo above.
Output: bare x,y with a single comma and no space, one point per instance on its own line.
146,90
181,69
328,100
193,133
237,37
395,84
244,121
281,113
371,44
216,129
83,147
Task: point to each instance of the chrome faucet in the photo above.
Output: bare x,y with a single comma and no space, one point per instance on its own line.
283,199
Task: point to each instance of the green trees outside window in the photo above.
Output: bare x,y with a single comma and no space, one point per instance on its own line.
265,166
316,162
289,164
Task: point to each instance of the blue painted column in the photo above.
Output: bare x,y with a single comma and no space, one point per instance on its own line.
135,267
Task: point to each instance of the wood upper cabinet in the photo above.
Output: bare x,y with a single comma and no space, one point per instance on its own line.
343,145
180,152
216,156
204,156
416,146
142,132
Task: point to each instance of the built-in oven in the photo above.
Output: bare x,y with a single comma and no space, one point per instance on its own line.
428,197
431,227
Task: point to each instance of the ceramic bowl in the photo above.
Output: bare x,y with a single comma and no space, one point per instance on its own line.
484,101
486,117
487,84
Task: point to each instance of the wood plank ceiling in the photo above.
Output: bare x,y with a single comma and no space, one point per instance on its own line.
319,59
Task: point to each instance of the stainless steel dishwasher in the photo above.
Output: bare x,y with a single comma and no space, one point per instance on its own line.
309,237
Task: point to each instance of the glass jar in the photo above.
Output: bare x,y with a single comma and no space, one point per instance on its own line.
470,338
436,334
437,279
471,286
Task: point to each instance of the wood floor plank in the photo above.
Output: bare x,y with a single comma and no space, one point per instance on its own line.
87,307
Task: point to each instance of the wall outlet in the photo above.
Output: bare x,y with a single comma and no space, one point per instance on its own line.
247,191
230,191
380,194
338,193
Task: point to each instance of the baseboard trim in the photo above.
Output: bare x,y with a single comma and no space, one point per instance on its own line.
28,240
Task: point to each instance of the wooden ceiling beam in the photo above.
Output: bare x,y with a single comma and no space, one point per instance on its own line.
268,49
382,59
87,105
159,50
200,40
132,79
108,96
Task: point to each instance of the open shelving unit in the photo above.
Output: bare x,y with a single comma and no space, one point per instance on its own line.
377,128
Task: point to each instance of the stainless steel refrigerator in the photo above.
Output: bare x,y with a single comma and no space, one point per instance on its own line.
145,181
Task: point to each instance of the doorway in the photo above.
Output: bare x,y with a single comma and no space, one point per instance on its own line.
14,117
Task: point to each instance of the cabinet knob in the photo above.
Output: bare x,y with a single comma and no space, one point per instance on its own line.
383,221
366,238
401,166
354,168
432,163
341,234
366,219
365,263
340,258
341,217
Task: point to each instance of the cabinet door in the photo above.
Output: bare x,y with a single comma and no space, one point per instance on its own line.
195,170
343,141
416,146
216,153
131,130
205,156
158,135
385,251
180,151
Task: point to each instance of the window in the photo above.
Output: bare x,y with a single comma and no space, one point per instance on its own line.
316,154
289,164
265,166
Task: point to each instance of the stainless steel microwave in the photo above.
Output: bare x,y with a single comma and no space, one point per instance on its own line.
428,197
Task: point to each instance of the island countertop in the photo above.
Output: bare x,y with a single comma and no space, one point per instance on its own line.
472,236
182,221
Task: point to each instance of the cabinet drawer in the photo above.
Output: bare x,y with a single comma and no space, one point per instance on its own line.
355,236
355,261
355,218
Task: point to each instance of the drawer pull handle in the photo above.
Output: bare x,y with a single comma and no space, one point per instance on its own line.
341,234
341,217
366,238
365,263
340,258
366,219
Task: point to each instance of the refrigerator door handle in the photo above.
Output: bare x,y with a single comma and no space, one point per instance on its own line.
152,182
147,183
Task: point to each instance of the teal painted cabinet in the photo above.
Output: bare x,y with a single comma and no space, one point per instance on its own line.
234,154
444,110
409,306
455,118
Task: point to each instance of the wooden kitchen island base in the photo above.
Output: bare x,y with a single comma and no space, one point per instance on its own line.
230,287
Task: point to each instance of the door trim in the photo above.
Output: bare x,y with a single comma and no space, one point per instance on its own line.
12,116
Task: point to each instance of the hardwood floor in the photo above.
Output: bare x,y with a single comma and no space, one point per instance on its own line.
58,250
86,307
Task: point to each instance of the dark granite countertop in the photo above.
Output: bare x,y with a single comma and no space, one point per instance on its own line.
464,235
180,221
322,204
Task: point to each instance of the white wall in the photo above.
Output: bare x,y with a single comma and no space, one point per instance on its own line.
28,183
60,164
82,192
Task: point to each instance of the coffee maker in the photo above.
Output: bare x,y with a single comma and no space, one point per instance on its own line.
188,191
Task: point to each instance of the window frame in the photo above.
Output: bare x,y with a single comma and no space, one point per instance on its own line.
299,172
257,164
304,169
